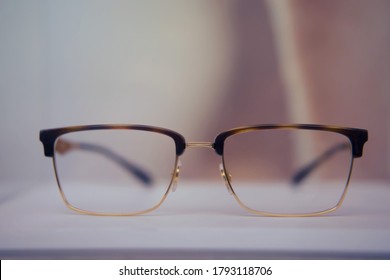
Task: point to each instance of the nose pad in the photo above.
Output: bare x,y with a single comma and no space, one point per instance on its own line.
225,179
175,175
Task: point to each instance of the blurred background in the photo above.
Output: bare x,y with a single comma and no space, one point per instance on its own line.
197,67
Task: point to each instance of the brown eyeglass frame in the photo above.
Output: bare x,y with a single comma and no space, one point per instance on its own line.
357,137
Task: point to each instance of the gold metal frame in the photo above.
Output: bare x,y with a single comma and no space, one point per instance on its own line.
199,145
357,138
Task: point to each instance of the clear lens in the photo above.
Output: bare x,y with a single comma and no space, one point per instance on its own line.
288,171
114,171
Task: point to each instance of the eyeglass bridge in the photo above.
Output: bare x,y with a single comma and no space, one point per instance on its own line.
209,145
226,176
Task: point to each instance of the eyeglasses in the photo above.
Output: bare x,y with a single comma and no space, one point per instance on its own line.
271,170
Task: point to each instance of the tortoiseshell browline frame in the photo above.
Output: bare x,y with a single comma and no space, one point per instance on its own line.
357,138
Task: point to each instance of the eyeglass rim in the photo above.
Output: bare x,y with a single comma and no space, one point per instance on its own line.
49,136
358,137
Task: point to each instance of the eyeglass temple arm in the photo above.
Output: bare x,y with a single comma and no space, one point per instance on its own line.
64,146
305,171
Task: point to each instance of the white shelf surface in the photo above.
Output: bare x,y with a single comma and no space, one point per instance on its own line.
201,220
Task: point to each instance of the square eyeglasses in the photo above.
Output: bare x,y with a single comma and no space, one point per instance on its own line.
271,170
